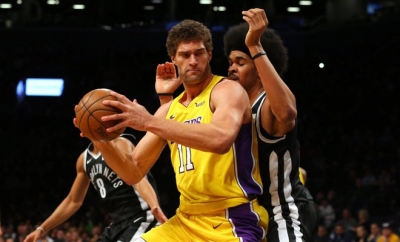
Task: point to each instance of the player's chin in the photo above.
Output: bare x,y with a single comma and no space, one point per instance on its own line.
233,78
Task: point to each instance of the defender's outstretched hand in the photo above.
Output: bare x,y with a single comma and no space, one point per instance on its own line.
258,22
34,236
132,114
166,78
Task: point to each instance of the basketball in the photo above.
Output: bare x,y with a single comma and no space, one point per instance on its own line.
88,115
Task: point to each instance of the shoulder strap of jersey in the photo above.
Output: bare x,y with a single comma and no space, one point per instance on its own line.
258,102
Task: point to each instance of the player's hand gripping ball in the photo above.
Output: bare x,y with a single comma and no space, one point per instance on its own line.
88,115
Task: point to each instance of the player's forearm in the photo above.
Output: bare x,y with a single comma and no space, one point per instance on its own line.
205,137
63,212
120,162
280,97
147,192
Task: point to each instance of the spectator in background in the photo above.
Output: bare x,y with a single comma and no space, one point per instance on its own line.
347,220
387,234
322,234
375,232
59,235
334,201
361,233
338,233
363,219
8,232
368,178
326,213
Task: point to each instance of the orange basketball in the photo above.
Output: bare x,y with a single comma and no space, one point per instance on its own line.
88,115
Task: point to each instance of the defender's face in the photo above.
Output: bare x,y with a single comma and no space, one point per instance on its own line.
192,61
242,69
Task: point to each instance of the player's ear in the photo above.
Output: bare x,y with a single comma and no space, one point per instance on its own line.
173,59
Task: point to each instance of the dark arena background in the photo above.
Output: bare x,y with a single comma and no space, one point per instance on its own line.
344,70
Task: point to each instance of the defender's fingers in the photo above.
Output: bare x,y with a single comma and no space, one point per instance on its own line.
170,67
160,69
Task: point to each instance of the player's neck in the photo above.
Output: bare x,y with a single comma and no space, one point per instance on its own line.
192,91
254,93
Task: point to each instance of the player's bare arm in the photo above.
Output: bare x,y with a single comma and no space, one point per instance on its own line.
229,101
68,206
279,111
147,192
118,155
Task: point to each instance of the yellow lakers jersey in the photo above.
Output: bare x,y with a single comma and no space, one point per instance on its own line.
208,181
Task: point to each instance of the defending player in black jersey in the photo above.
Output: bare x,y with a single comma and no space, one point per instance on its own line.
257,59
134,209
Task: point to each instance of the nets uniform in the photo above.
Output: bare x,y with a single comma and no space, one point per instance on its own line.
293,215
217,201
131,214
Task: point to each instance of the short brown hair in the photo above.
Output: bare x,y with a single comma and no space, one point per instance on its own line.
188,30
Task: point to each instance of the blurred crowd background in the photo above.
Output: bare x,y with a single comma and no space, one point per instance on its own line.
345,77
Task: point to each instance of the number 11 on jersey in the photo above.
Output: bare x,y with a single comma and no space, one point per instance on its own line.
185,157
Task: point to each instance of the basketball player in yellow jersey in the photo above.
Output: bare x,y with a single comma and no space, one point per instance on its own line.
209,131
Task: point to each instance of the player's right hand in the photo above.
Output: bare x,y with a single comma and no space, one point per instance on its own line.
34,236
258,22
166,78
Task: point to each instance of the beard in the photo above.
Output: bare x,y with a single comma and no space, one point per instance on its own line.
233,77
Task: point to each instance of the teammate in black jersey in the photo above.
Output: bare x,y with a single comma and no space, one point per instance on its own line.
134,209
257,59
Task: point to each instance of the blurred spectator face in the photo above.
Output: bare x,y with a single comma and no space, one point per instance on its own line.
374,229
386,232
75,236
22,229
361,232
321,231
331,194
339,229
346,213
96,230
60,234
363,215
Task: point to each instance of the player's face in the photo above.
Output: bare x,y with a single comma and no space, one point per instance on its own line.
192,60
242,69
